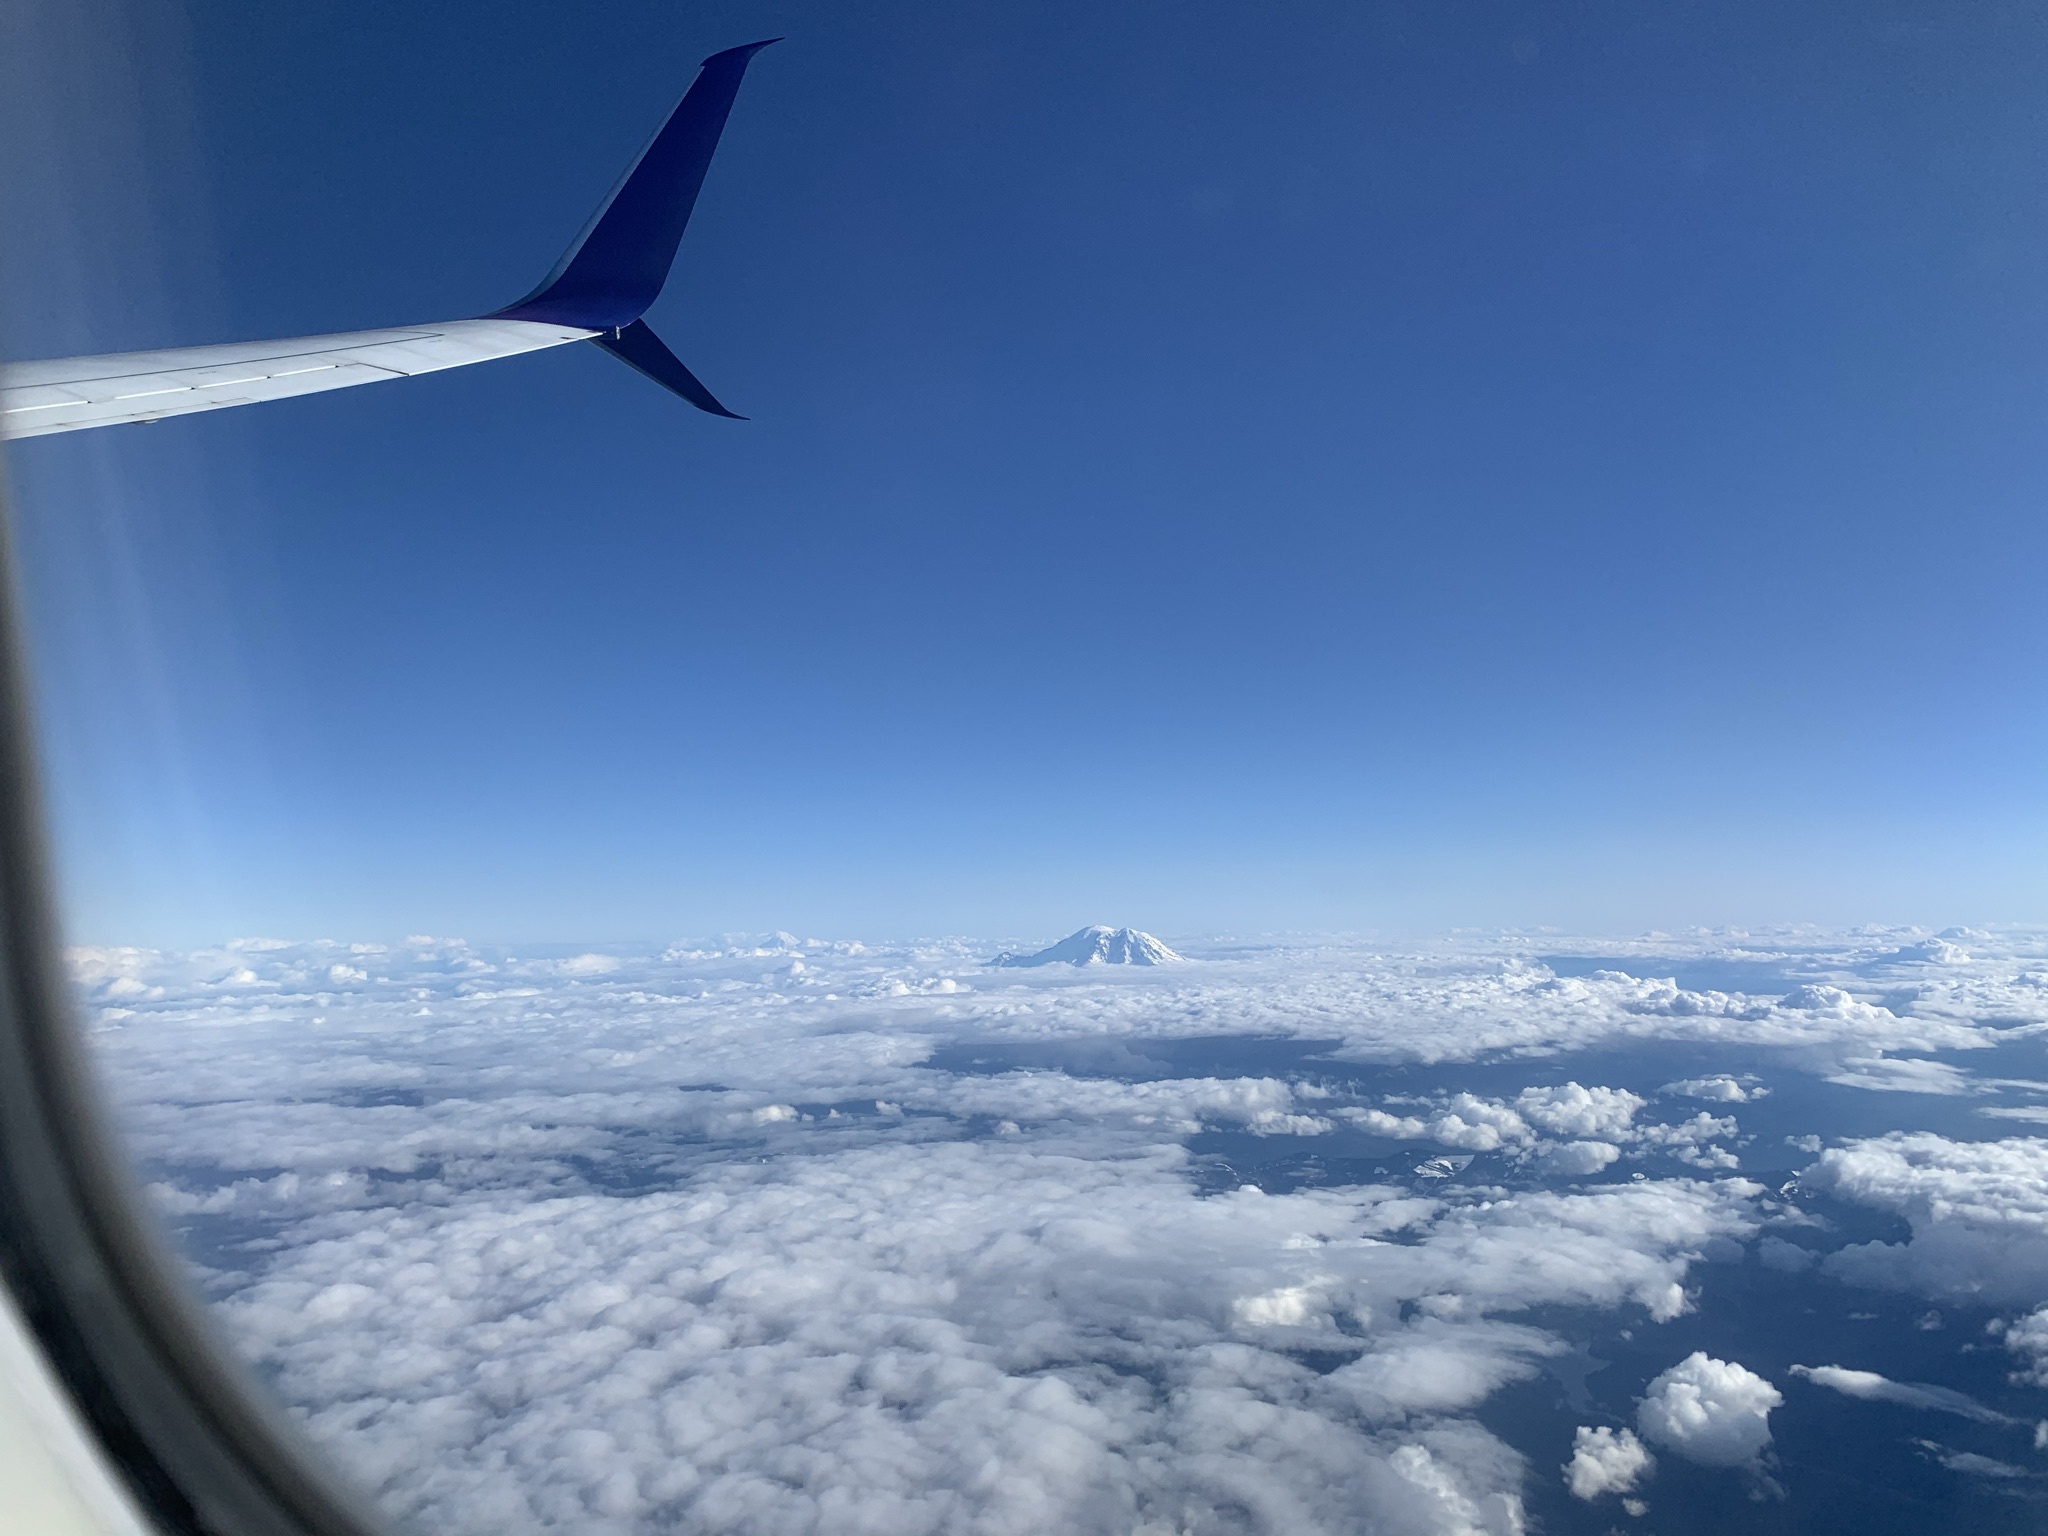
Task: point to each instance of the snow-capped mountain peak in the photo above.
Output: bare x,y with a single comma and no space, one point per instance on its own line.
1098,945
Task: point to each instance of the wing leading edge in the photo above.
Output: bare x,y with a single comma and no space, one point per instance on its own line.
597,292
75,392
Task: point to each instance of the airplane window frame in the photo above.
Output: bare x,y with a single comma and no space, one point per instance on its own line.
199,1450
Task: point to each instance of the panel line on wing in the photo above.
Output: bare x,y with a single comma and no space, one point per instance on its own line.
282,357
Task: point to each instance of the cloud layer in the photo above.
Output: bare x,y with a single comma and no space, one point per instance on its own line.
778,1235
960,1336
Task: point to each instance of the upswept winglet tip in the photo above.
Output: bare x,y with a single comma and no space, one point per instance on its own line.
743,50
619,264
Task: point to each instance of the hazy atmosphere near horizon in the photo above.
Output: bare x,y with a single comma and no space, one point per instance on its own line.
1506,544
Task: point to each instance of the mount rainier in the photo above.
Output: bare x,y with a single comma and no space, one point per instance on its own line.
1097,945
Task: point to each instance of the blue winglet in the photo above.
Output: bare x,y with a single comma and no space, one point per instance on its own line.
606,280
639,348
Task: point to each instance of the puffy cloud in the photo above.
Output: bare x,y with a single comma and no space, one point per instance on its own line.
1978,1212
2027,1337
1599,1120
1607,1461
1689,1140
1437,1366
1874,1388
1263,1105
1479,1125
1886,1074
1572,1110
1573,1159
1935,951
1714,1412
1722,1088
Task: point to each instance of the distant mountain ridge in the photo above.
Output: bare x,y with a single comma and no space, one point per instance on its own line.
1097,945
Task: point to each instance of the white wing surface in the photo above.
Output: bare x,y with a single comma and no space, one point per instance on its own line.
75,392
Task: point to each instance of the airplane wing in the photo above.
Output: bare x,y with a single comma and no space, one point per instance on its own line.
596,292
75,392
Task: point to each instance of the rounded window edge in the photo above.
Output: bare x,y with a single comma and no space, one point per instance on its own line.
193,1444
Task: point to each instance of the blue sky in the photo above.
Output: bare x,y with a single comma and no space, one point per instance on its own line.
1212,467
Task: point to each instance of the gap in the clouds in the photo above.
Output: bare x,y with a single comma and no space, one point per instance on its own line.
1228,1160
1895,977
226,1250
1840,1465
1837,1459
376,1098
1129,1060
229,1253
1695,973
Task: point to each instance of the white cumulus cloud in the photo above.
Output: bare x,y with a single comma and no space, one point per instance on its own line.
1714,1412
1722,1088
1607,1461
1978,1212
1574,1159
2027,1337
